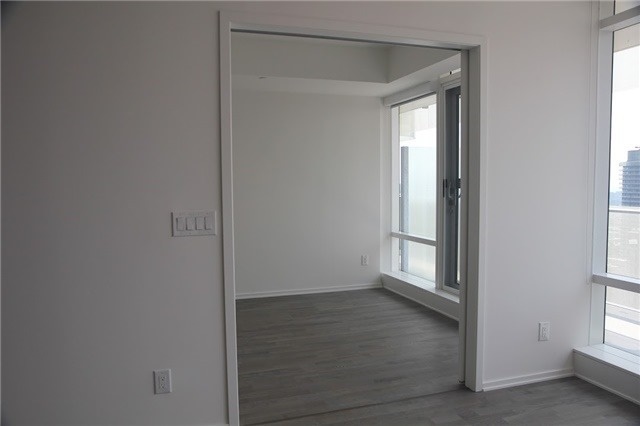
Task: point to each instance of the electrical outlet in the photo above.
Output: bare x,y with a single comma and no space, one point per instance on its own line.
364,260
162,381
544,331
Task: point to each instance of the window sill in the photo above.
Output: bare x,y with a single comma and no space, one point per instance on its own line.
422,291
424,284
610,368
612,356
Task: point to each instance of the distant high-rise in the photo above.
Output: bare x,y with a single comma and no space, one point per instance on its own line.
631,179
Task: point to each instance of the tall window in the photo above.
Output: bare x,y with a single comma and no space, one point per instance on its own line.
622,321
417,204
427,180
617,214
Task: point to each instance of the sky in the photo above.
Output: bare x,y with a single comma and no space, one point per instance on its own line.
625,110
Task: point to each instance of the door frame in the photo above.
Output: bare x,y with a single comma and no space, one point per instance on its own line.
474,113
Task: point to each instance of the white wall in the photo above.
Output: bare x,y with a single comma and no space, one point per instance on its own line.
404,60
306,194
303,58
296,57
536,225
110,121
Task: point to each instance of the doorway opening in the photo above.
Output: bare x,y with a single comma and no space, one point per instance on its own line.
272,171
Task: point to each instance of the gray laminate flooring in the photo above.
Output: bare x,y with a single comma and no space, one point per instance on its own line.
371,357
310,354
563,402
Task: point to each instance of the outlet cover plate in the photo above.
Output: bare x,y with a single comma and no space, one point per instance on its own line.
544,331
162,381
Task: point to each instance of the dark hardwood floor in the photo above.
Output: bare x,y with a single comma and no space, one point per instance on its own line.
302,355
371,357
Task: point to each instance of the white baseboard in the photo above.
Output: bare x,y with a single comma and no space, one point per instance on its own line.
527,379
292,292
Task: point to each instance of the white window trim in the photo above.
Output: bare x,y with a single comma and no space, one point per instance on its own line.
445,83
617,281
414,238
619,21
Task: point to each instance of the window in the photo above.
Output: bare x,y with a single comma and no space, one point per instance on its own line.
416,134
427,171
623,256
616,292
622,308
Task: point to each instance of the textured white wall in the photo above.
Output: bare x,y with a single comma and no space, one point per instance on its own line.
306,197
110,121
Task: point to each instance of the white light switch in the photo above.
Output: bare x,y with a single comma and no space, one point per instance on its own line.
187,224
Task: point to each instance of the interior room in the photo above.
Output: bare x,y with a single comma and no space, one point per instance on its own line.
172,254
308,142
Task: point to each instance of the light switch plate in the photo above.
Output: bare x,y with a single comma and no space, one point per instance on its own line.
187,224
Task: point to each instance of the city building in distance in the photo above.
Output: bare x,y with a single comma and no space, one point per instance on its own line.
631,179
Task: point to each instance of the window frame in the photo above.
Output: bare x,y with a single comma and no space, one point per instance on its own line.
438,88
395,185
607,24
448,264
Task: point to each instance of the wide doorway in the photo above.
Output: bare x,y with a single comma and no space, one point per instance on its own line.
335,189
